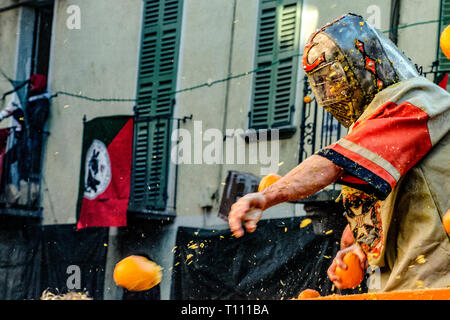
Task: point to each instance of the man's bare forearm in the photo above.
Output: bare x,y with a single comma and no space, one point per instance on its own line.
310,176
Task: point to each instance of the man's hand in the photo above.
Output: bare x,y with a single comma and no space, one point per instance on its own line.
310,176
247,210
337,261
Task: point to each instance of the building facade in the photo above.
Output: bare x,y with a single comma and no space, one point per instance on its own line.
205,75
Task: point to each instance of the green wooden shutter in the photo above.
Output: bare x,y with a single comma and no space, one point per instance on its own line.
275,84
444,63
157,77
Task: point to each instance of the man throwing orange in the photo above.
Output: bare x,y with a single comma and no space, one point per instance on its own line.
393,164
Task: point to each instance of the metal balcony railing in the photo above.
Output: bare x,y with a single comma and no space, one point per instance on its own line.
20,181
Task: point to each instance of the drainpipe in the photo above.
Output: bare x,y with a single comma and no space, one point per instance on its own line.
394,20
438,47
227,92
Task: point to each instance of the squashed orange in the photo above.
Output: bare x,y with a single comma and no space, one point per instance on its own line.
308,294
268,180
137,273
353,275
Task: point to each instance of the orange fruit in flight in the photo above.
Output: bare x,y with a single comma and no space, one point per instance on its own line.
137,273
308,294
307,99
353,275
445,42
268,180
446,221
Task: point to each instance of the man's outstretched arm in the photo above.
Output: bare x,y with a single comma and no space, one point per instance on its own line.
310,176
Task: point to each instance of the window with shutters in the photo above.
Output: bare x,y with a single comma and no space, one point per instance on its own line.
157,76
276,56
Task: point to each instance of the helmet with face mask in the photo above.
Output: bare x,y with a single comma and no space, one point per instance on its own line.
348,62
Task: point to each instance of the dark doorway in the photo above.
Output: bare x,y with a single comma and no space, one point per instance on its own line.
42,39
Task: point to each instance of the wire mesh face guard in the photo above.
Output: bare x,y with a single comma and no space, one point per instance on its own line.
369,63
332,82
329,84
333,91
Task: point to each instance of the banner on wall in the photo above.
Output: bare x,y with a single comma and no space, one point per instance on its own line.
106,162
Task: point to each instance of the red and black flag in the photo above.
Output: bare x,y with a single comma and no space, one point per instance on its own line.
443,81
106,161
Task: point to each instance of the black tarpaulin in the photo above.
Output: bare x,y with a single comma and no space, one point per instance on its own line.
66,252
277,261
34,258
20,257
152,294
